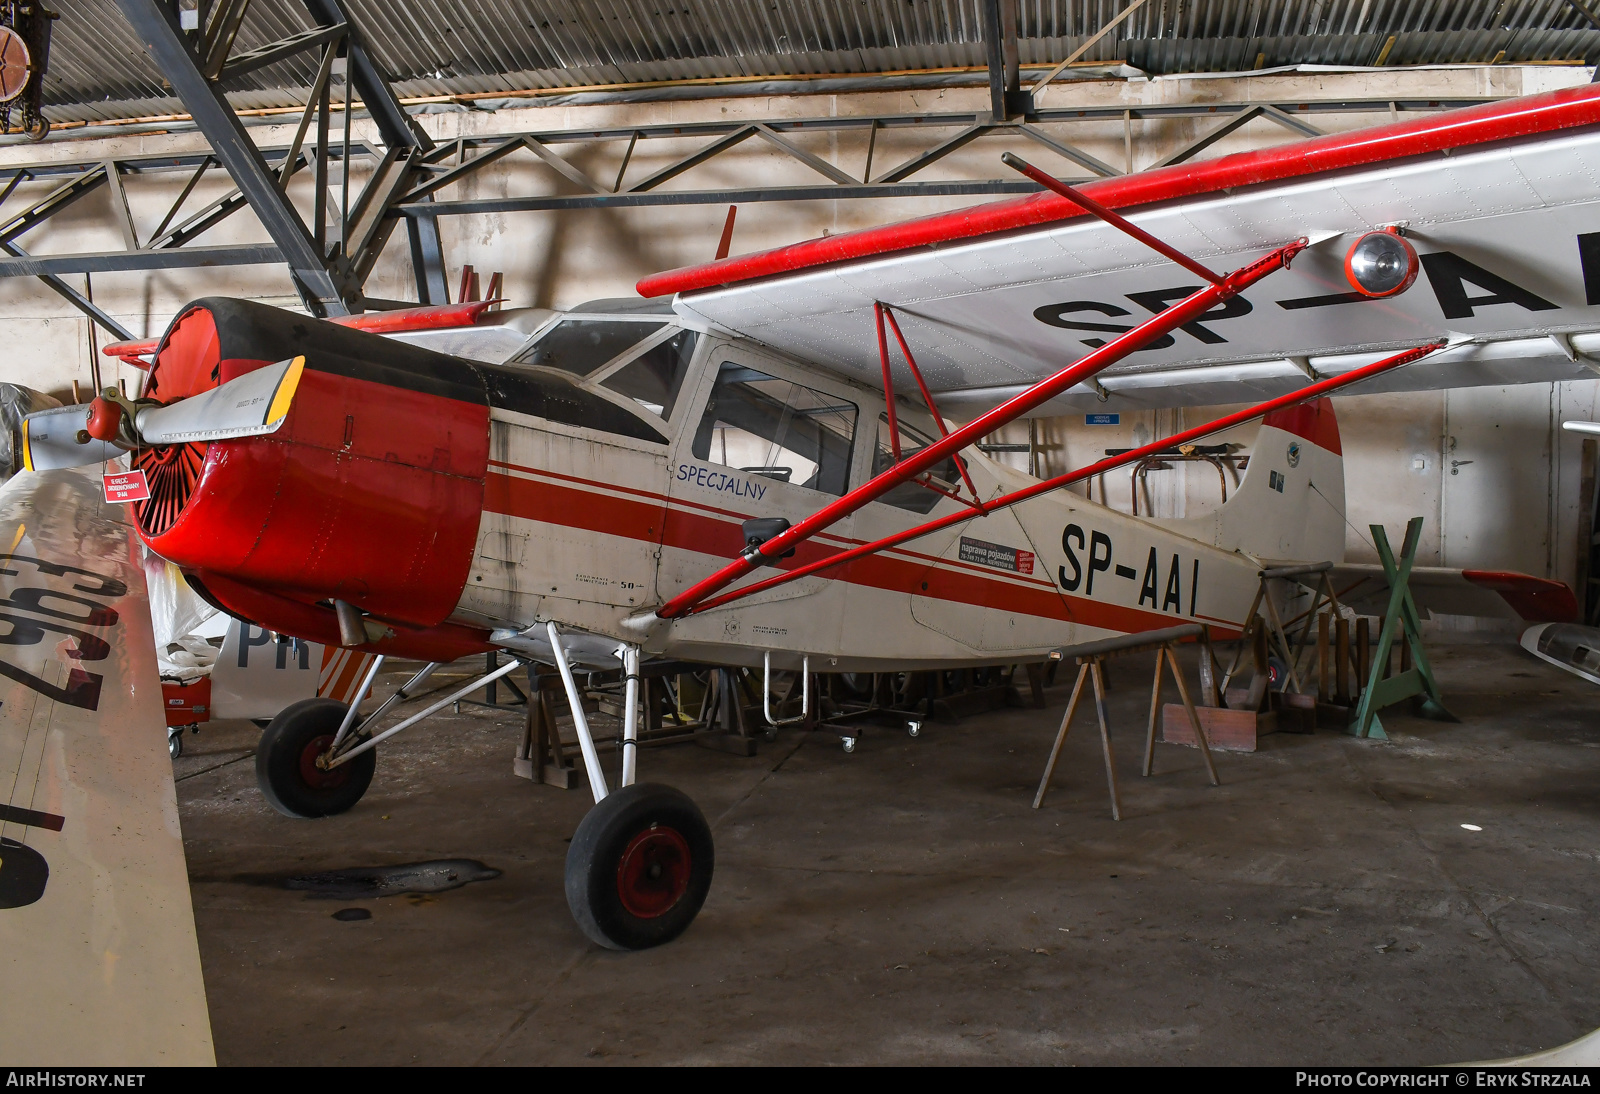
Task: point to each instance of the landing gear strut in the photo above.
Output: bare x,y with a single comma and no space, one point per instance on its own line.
640,864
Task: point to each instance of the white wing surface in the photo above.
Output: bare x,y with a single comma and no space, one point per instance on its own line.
97,939
996,297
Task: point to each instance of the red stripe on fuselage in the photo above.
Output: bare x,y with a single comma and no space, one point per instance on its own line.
589,486
574,507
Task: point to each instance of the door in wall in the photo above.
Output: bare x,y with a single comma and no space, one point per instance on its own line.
1495,504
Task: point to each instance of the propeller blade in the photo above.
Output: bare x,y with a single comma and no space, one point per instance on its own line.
253,405
50,440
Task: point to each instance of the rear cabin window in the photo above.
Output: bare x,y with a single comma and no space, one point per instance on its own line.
580,346
654,378
762,425
909,495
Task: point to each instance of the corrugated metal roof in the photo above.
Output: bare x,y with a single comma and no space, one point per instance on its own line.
99,70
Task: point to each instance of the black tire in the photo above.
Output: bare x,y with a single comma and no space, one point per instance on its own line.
639,867
286,767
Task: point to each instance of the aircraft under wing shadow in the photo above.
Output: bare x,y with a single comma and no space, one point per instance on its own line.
97,938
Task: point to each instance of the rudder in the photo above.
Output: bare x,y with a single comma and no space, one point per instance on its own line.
1290,506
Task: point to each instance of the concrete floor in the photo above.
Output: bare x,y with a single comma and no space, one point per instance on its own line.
905,905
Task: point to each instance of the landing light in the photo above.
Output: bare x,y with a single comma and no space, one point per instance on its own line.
1381,264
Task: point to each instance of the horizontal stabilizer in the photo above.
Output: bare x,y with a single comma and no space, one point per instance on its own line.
1488,594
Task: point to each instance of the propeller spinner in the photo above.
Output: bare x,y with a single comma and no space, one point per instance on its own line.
252,405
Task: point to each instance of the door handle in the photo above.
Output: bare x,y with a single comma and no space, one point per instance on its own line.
1459,463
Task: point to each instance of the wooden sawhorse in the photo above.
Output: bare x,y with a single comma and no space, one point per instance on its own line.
1089,657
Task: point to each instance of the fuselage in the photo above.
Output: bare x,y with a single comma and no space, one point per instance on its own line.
593,531
607,458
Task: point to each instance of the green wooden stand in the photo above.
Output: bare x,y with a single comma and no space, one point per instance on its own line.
1401,617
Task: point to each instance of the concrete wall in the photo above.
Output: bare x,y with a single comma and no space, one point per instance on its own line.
1397,446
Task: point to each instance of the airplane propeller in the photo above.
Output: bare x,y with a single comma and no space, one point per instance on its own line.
252,405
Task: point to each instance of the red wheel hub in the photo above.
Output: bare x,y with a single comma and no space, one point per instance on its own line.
653,873
316,777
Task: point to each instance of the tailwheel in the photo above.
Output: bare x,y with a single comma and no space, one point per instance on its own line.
286,762
639,867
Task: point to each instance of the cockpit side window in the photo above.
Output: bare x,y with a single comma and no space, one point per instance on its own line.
654,378
766,426
580,346
909,495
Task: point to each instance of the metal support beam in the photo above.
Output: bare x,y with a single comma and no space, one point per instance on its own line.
170,258
219,36
386,198
155,24
693,159
627,199
816,163
119,206
1006,98
271,54
427,258
53,202
934,154
71,295
399,129
1083,49
562,167
1067,151
1207,139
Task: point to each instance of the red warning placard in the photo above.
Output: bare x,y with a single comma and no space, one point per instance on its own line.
127,486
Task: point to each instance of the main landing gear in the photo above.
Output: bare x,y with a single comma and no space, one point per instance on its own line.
640,864
639,867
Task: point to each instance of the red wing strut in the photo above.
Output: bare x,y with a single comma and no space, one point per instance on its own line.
1306,394
1184,311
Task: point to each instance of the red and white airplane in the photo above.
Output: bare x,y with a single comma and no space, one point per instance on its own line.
730,470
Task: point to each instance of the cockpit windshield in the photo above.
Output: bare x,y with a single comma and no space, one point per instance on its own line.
580,346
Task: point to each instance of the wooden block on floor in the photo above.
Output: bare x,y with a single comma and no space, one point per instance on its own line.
1297,713
1237,699
1333,716
1227,730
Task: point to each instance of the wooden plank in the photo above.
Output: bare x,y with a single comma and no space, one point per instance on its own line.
1229,730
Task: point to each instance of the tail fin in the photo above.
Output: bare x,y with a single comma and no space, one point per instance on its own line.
1290,505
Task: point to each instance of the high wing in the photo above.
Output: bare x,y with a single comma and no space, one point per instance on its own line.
1500,202
97,938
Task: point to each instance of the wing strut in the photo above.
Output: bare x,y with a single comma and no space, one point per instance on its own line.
1184,311
881,312
908,468
1305,394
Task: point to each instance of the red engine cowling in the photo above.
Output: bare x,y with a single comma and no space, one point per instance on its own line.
371,491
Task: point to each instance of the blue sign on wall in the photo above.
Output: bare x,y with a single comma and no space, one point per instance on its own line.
1102,419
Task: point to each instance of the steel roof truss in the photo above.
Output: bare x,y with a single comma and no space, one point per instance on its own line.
271,54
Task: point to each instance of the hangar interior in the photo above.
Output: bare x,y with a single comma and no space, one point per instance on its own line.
903,899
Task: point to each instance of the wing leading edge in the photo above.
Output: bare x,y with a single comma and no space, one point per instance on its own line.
97,938
1495,200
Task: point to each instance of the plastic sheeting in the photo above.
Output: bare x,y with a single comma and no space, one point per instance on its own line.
16,402
180,622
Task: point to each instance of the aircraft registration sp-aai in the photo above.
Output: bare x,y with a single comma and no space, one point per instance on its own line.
757,463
